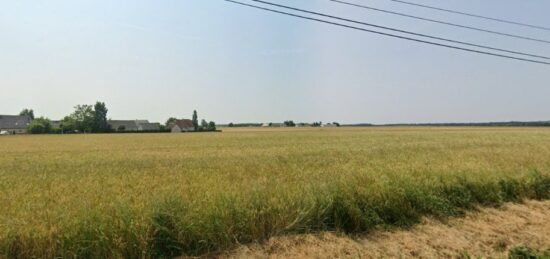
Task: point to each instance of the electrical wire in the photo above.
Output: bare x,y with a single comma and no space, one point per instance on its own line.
389,34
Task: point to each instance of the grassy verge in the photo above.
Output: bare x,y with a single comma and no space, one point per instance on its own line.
524,252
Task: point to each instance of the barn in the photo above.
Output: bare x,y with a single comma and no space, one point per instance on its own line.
14,124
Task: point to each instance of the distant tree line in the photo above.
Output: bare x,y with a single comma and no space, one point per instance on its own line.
287,123
238,125
477,124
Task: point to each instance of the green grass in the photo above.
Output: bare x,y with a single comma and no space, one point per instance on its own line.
524,252
162,195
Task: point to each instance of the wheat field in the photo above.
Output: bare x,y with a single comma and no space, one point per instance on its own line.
165,195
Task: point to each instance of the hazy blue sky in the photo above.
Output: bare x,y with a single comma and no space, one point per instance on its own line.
155,59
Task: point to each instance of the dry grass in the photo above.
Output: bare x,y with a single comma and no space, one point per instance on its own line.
488,233
153,195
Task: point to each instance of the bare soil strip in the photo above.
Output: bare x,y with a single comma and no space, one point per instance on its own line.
487,233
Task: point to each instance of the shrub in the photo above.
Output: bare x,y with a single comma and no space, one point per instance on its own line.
40,126
540,185
522,252
165,242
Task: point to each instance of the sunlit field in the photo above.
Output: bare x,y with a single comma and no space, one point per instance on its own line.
163,195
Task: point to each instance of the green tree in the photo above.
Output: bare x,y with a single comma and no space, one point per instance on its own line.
204,125
100,118
290,123
27,112
40,126
195,120
231,124
211,126
84,117
170,120
68,124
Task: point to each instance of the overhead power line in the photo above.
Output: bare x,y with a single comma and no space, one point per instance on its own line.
403,31
474,15
388,34
443,22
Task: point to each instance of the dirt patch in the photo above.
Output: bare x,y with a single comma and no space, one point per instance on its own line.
489,232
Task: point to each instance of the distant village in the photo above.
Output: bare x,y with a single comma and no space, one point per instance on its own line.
20,124
93,119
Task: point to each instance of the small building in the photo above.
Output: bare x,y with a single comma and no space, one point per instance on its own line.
123,125
329,125
184,125
133,125
14,124
149,126
56,124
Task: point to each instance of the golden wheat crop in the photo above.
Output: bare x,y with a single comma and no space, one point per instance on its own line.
161,195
